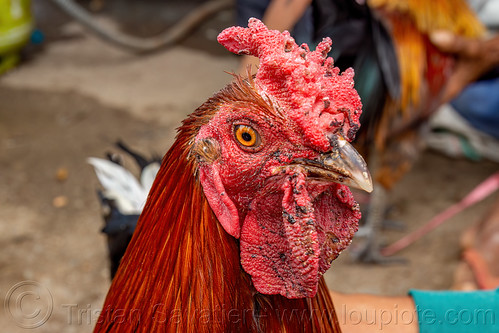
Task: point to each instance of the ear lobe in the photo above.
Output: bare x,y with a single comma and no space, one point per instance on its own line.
219,201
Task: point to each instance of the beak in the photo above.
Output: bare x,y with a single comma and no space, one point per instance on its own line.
343,165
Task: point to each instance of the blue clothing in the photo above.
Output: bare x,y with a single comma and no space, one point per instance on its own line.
457,311
479,105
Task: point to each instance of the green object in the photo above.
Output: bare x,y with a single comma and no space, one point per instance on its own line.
457,311
16,24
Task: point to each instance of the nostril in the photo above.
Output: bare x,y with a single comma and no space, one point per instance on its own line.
335,125
332,122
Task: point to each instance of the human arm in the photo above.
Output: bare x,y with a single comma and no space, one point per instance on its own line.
368,313
280,15
423,311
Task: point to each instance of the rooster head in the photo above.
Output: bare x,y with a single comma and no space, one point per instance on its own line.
275,161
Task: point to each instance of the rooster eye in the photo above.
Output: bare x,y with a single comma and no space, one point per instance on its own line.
247,136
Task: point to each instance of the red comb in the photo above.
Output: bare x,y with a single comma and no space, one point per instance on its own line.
304,83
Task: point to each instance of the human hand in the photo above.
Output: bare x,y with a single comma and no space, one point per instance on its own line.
474,57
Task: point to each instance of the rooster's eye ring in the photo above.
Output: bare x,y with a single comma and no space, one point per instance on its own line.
246,136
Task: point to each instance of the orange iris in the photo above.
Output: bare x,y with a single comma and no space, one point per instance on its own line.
246,135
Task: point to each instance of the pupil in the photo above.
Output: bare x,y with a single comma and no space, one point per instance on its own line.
246,136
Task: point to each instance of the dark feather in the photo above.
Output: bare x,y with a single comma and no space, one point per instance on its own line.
361,41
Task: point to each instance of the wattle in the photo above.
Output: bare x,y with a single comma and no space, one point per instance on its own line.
294,231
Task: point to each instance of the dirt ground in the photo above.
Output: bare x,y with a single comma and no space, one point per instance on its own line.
78,96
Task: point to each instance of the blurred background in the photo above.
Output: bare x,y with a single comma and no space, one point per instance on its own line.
66,94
